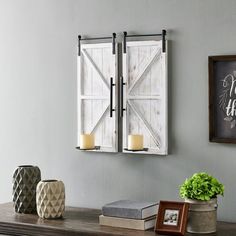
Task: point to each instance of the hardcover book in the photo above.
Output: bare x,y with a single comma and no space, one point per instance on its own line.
130,209
128,223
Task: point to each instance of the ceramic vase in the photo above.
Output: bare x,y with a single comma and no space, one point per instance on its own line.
25,180
50,199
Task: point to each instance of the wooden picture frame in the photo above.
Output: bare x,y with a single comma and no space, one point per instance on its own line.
172,218
222,99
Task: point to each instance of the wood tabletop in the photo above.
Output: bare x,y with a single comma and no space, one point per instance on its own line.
77,221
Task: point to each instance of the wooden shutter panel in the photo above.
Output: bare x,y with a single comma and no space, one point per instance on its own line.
96,66
145,96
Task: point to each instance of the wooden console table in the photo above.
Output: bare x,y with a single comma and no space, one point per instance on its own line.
77,221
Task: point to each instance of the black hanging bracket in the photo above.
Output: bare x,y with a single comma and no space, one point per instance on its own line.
98,38
114,43
124,41
163,40
79,44
163,35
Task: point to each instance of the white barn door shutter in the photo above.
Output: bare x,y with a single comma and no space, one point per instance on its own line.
96,66
145,95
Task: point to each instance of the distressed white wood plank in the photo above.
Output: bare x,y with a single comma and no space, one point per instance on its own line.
115,120
125,113
144,97
157,113
100,119
144,107
79,105
157,78
108,131
96,97
108,124
147,125
155,55
95,67
133,66
155,120
97,88
87,113
96,118
97,82
86,76
143,86
165,98
97,45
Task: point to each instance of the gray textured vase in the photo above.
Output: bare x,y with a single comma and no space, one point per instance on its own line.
202,216
25,180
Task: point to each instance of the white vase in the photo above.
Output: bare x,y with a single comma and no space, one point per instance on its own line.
50,199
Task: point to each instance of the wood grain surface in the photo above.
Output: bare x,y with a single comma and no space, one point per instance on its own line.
77,221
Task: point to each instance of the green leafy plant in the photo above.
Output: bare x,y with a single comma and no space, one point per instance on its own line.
201,186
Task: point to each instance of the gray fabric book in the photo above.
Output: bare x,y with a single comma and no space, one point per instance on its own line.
130,209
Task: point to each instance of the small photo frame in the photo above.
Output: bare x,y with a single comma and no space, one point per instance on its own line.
172,218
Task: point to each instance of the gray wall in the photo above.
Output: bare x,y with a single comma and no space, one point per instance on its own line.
38,42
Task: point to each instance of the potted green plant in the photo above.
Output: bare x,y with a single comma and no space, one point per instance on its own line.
201,192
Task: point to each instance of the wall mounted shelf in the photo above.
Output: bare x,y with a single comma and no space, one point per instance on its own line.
97,64
143,150
145,94
89,149
141,90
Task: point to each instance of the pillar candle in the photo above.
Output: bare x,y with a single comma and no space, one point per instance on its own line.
135,142
87,141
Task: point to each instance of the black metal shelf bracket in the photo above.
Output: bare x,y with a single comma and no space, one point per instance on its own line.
113,38
163,35
142,150
89,149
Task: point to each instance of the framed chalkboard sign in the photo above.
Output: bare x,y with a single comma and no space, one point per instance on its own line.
222,99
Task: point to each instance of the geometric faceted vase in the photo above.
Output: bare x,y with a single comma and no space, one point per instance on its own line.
50,199
25,180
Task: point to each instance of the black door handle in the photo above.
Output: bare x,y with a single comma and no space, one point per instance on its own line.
111,96
121,110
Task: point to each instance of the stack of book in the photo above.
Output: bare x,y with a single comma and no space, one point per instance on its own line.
129,214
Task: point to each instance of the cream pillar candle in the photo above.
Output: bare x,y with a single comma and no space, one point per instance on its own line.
135,142
87,141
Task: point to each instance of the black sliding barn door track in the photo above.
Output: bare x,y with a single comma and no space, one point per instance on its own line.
125,36
113,38
163,35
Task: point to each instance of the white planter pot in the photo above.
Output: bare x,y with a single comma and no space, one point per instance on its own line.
202,216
